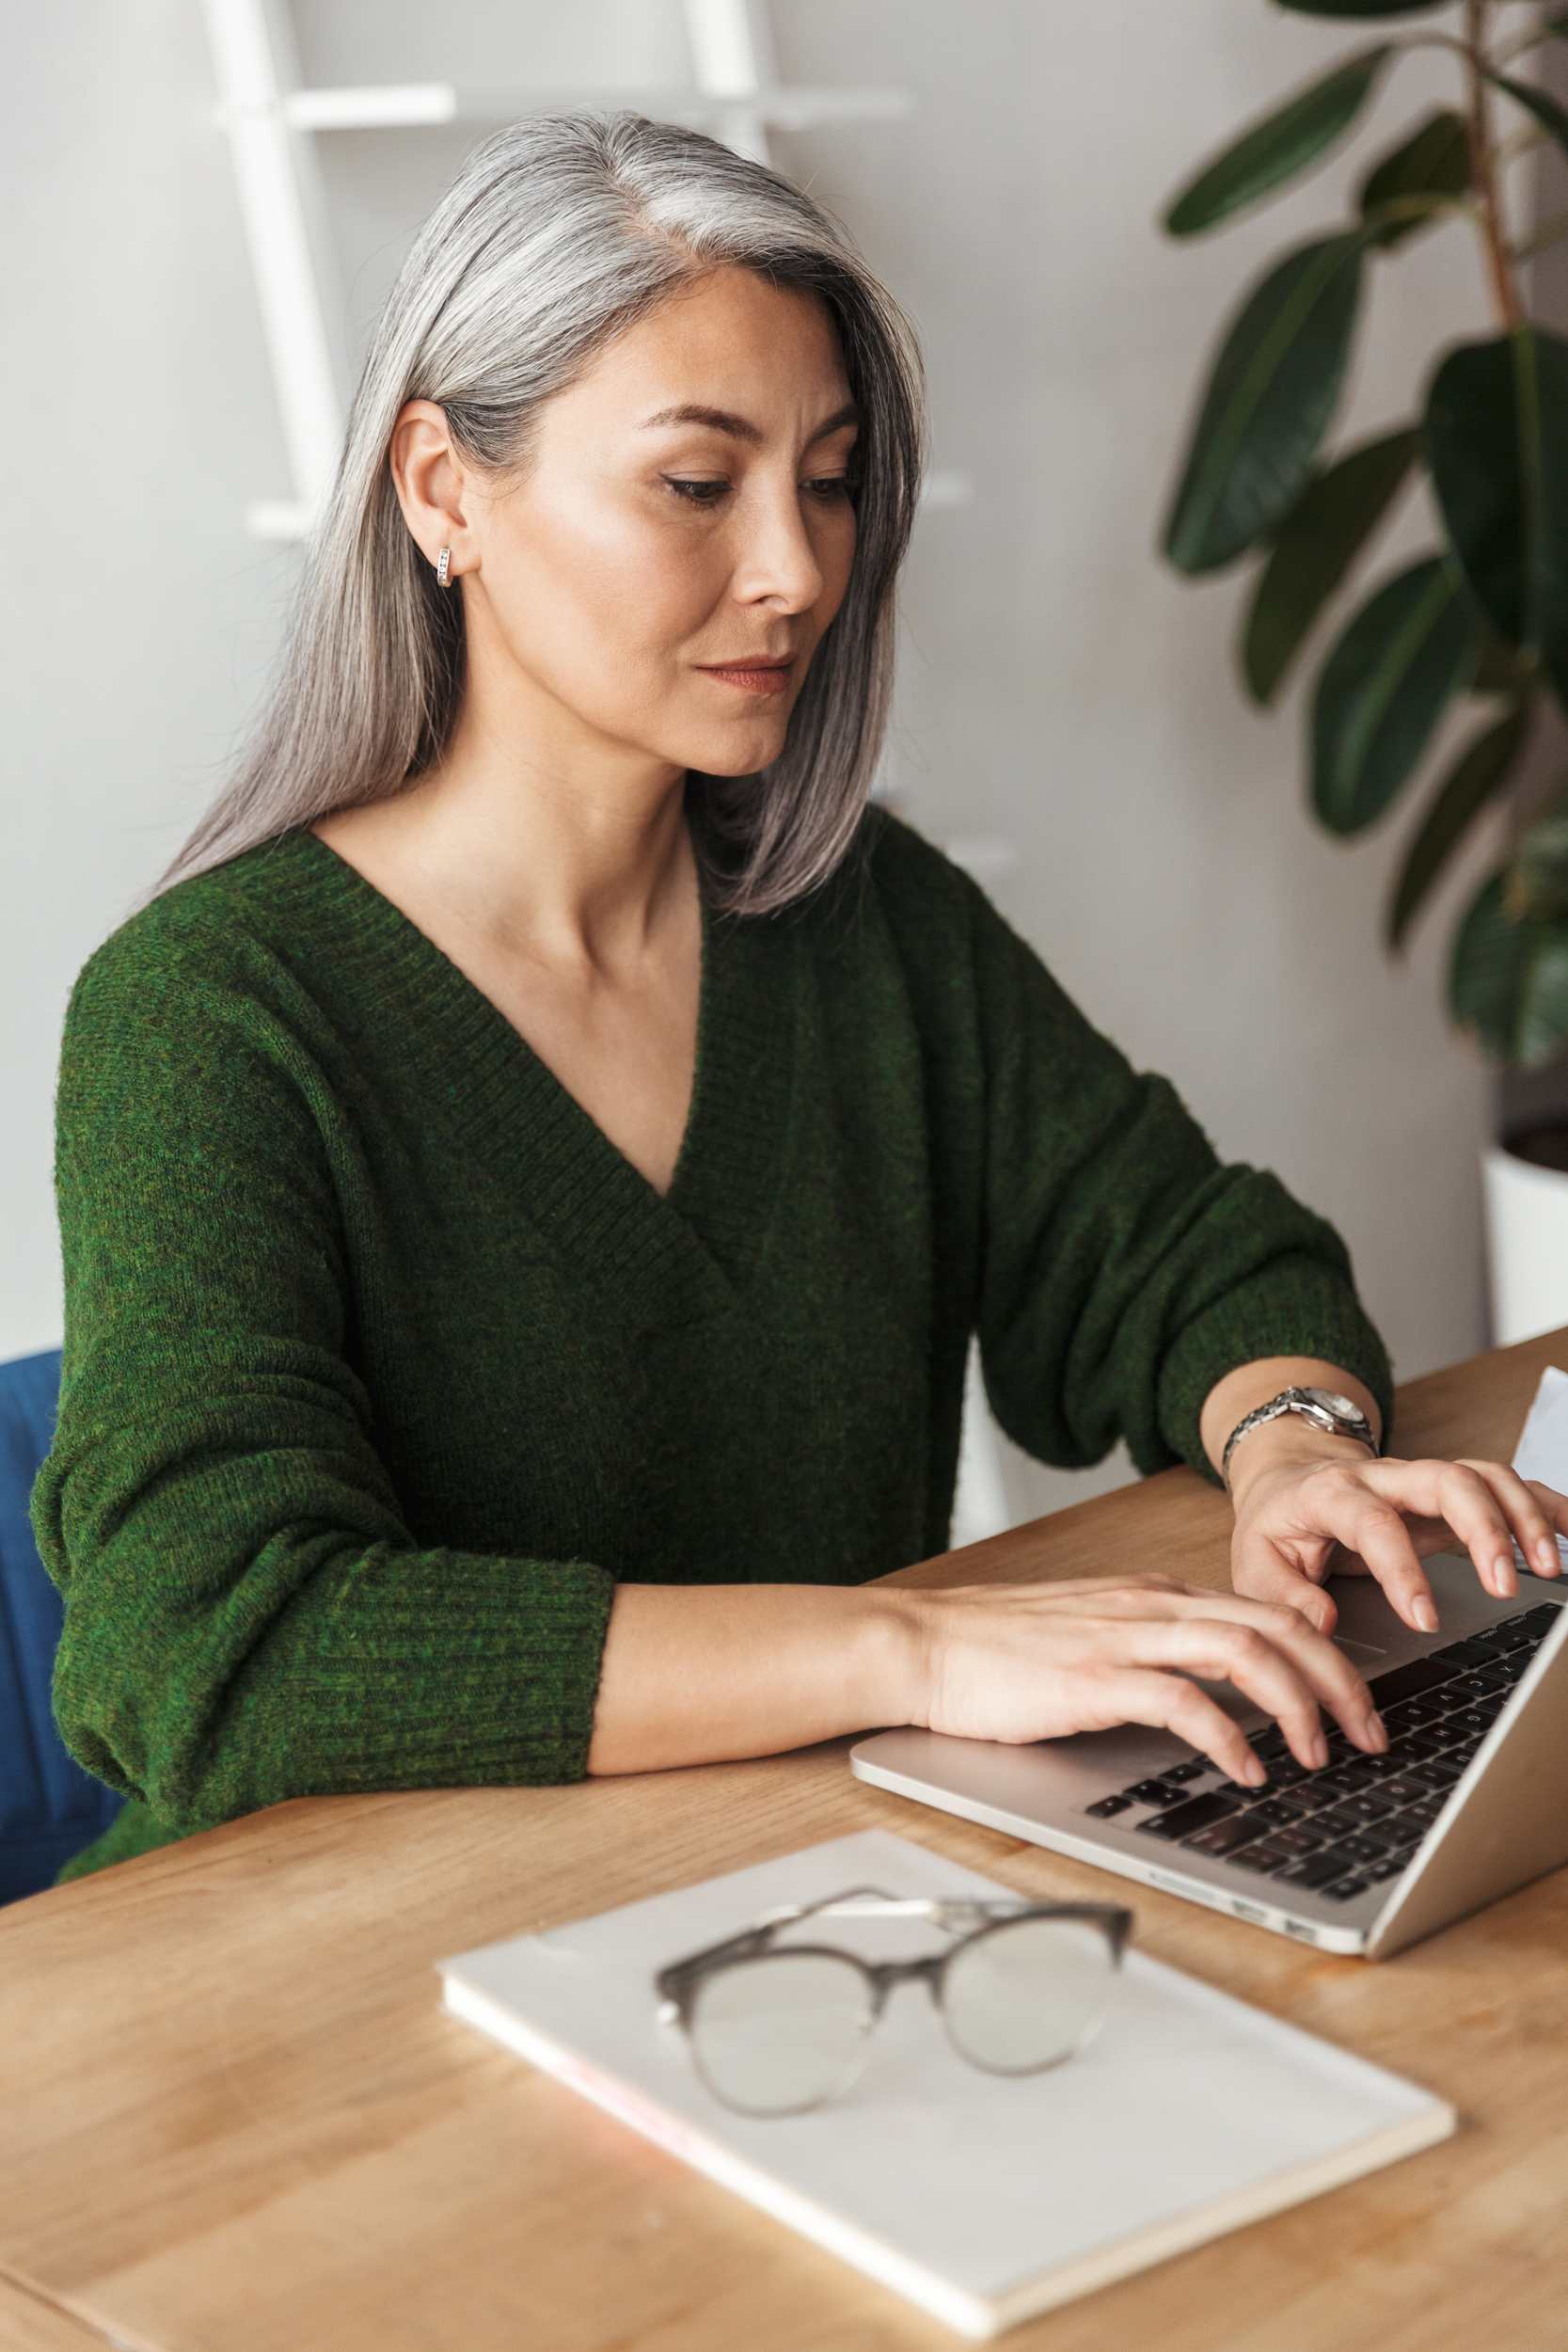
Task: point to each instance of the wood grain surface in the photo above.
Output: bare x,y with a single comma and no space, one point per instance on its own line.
235,2118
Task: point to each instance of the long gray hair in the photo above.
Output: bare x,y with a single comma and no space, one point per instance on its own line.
560,231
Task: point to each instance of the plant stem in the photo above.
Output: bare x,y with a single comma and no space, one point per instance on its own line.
1483,171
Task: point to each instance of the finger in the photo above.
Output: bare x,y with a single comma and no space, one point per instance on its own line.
1474,1507
1255,1661
1141,1694
1264,1574
1555,1510
1532,1512
1348,1505
1334,1678
1456,1495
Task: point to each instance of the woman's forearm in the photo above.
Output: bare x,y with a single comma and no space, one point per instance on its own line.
699,1674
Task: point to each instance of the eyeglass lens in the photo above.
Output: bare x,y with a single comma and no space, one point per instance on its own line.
784,2030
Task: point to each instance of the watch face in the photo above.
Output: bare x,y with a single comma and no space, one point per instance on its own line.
1335,1403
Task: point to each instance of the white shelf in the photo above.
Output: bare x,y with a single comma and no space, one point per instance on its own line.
408,105
271,119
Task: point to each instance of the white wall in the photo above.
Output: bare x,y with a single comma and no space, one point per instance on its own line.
1060,684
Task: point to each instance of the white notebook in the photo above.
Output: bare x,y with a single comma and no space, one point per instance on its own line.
983,2198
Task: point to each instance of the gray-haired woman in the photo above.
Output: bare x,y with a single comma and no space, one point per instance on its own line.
530,1173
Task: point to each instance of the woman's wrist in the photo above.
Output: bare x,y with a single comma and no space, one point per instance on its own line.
1288,1438
894,1654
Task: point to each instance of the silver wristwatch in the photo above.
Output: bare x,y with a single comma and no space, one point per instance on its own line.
1324,1407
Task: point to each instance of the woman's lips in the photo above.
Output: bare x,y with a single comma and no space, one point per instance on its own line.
754,681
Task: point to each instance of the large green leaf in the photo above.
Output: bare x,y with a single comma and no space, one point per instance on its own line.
1384,687
1434,161
1497,442
1278,147
1474,779
1313,549
1508,980
1271,395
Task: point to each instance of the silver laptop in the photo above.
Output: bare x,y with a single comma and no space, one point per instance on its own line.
1366,1855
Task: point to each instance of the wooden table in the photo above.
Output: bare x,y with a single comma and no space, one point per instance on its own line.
235,2116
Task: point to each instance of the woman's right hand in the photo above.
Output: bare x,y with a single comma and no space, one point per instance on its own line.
1036,1659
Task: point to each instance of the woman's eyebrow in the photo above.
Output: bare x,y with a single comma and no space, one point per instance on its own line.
741,428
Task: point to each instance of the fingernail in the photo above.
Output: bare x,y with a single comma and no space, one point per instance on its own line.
1545,1553
1377,1731
1425,1615
1317,1748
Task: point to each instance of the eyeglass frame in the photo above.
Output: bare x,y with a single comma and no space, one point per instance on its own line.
677,1982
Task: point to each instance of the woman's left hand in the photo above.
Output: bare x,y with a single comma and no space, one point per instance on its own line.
1293,1514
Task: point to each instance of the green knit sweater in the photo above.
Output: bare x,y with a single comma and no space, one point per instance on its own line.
382,1364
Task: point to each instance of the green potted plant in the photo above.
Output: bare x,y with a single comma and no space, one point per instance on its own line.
1481,621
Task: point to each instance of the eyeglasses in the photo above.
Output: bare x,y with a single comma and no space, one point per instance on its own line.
778,2030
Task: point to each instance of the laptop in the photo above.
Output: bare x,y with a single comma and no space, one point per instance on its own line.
1365,1854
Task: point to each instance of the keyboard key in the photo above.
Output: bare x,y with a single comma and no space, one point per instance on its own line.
1108,1805
1360,1849
1343,1889
1317,1870
1298,1839
1270,1812
1339,1821
1265,1856
1367,1807
1193,1813
1152,1792
1384,1838
1421,1714
1223,1836
1405,1682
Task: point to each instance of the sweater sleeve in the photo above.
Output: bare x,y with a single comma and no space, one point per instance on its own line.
1125,1268
248,1616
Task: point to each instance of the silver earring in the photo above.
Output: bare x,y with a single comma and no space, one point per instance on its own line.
443,569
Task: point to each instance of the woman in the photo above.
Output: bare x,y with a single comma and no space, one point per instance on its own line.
529,1175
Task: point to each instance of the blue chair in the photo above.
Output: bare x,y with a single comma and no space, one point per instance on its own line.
50,1808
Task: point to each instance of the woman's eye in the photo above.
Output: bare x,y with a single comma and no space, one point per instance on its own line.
826,487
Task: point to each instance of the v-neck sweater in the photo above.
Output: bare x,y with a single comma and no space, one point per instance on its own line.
383,1365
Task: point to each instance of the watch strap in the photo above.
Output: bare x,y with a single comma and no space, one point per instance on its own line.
1312,1408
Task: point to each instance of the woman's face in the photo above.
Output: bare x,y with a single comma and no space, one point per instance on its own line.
638,552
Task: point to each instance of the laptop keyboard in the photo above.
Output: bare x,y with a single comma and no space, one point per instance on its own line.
1343,1826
